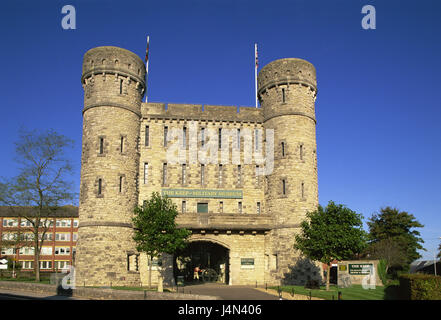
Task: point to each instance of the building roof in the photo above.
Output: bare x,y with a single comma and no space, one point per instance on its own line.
61,212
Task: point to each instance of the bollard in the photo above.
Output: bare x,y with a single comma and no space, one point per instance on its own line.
310,295
292,292
280,292
339,296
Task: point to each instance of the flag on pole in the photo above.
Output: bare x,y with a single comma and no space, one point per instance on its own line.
147,65
255,69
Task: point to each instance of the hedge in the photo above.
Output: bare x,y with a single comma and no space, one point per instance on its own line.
420,287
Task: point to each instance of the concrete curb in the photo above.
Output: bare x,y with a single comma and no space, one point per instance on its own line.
99,293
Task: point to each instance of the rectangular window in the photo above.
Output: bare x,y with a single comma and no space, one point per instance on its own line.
63,223
10,222
46,251
27,251
101,145
202,207
62,251
202,137
301,151
258,207
28,264
256,139
257,176
164,174
239,174
147,136
184,206
62,237
184,173
220,138
303,190
75,237
165,136
120,183
100,186
239,205
283,148
122,144
238,139
75,223
59,265
45,264
283,95
221,207
202,174
283,187
146,172
120,86
221,173
184,137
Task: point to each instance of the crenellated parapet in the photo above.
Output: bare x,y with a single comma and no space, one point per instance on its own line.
198,112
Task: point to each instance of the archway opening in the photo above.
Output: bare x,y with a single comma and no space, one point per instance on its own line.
211,258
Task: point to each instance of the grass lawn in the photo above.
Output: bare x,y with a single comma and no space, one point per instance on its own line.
44,281
356,292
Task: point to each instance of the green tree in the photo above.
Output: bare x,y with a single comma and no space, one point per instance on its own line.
389,250
439,253
331,233
398,226
41,187
156,231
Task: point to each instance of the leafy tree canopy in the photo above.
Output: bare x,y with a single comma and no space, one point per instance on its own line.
399,226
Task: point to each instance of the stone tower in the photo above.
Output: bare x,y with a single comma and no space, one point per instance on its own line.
114,84
287,93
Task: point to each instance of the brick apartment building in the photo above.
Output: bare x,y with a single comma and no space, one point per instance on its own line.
58,250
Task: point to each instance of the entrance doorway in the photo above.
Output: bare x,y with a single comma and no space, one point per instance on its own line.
210,257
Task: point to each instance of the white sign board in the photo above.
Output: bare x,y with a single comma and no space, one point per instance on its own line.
3,261
3,266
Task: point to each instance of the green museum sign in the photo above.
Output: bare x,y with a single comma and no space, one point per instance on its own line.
360,268
202,193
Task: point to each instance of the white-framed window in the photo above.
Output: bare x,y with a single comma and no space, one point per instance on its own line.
25,223
146,173
46,265
10,222
9,236
62,237
63,223
46,251
60,265
27,264
75,223
75,236
62,251
27,251
48,236
8,251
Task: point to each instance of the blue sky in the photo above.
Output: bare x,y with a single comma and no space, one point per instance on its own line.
378,107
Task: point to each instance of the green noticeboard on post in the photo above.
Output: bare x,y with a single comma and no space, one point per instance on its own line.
360,268
202,193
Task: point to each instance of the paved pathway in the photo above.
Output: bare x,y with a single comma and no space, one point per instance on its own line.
228,292
26,295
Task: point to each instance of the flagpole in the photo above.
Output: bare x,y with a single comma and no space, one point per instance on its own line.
255,70
147,67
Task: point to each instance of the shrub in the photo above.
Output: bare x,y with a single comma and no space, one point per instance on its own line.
420,287
381,270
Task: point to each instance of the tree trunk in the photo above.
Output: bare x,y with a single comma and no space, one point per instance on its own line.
328,276
150,271
37,267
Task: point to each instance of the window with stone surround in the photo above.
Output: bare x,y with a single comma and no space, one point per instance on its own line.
239,174
221,207
121,180
239,206
164,174
100,186
220,138
202,174
303,190
184,206
283,186
184,174
165,136
147,136
146,172
202,137
122,145
101,145
184,137
221,174
258,208
282,145
301,151
283,95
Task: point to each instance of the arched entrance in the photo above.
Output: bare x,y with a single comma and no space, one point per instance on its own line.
211,257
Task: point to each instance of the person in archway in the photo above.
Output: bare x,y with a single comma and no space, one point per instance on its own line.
196,273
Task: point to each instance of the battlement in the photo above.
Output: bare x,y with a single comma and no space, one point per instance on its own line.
201,112
113,60
287,71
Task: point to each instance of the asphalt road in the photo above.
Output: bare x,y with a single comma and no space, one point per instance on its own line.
228,292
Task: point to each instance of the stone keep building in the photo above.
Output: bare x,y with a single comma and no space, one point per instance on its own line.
242,222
